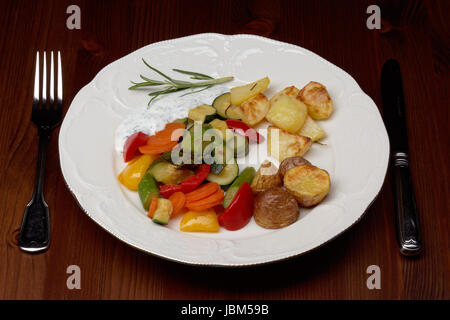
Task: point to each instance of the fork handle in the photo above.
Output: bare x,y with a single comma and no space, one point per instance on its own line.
34,233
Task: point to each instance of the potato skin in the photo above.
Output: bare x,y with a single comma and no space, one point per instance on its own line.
289,163
266,177
307,183
317,99
275,208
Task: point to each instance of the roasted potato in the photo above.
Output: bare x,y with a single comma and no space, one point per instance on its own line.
255,109
234,113
221,126
316,97
291,162
282,144
266,177
312,130
289,91
275,208
288,113
245,92
307,183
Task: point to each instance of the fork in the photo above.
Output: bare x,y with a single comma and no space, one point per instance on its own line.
34,233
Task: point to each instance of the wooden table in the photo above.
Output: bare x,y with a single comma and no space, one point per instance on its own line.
414,32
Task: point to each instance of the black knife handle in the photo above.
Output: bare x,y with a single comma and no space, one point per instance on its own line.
407,219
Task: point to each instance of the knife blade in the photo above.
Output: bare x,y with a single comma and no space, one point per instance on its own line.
407,217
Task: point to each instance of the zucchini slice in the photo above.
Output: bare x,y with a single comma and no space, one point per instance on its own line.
226,176
221,104
167,173
203,113
163,211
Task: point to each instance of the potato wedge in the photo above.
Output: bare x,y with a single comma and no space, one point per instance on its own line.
254,109
282,144
275,208
289,91
291,162
221,126
234,113
288,113
308,184
312,130
316,97
266,177
245,92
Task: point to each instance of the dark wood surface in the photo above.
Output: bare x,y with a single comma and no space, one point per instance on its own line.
414,32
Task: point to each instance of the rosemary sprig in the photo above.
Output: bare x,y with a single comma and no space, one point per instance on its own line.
173,85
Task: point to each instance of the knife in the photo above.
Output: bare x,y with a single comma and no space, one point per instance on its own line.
407,218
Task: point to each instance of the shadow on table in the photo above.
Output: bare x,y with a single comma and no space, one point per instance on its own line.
313,267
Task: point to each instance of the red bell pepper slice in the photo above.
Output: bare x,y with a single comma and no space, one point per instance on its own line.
191,183
166,190
132,144
187,185
243,129
239,212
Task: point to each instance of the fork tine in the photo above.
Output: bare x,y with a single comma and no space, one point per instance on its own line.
44,81
60,84
52,81
36,82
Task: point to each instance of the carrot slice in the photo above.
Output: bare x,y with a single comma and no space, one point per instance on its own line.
174,125
167,136
203,207
202,192
150,149
157,141
153,207
206,203
178,200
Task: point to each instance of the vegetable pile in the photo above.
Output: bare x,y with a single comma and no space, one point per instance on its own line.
189,168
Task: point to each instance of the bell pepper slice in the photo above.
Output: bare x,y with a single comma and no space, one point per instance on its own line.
135,170
166,190
240,210
187,185
242,128
147,189
245,176
199,221
132,144
191,183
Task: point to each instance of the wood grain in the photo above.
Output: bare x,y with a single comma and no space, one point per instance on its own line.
418,36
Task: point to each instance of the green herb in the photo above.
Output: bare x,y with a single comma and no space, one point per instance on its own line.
173,85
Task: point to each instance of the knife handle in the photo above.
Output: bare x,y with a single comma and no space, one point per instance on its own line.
407,219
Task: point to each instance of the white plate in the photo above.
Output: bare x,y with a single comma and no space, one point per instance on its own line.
356,152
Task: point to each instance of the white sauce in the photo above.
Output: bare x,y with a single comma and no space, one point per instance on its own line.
166,108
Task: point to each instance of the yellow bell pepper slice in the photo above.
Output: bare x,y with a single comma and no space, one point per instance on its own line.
132,174
199,221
